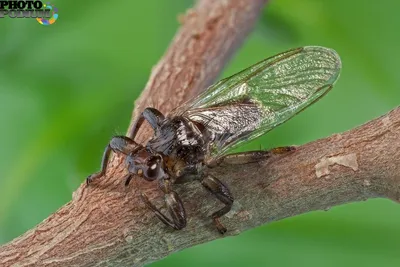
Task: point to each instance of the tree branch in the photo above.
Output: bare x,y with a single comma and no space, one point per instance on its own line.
107,223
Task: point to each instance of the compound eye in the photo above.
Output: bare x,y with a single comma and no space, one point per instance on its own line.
153,168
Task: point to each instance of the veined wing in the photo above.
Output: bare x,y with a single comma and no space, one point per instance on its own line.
252,102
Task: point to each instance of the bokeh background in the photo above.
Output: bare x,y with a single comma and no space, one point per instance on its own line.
67,88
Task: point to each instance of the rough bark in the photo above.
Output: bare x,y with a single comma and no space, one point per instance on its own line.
108,225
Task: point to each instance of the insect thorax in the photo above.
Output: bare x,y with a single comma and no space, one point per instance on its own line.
182,145
179,140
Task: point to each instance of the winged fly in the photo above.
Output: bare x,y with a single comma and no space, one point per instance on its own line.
200,134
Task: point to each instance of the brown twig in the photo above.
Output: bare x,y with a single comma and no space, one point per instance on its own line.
107,224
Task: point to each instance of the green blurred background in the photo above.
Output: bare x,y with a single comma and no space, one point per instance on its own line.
67,88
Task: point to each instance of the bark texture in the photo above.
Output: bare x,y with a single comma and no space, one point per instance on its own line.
107,224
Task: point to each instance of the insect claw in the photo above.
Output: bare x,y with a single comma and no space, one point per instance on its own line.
93,177
89,180
221,228
128,178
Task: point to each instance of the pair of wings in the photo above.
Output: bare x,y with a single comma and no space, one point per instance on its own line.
254,101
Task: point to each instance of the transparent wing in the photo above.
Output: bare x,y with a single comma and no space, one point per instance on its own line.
252,102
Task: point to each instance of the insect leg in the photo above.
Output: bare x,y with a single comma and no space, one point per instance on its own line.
151,115
128,179
282,149
248,156
174,206
220,191
104,163
121,144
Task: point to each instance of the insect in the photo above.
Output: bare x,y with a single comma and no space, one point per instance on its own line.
197,135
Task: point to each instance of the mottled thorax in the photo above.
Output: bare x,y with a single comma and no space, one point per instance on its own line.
178,138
